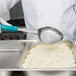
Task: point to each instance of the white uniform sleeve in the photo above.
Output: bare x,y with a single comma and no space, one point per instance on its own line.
5,5
11,3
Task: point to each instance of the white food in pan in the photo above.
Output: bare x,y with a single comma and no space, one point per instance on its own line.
50,56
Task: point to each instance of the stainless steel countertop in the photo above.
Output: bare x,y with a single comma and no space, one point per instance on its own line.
32,73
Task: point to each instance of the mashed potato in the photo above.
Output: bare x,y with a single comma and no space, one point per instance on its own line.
49,56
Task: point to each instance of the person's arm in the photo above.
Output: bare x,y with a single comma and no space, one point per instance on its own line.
11,3
6,5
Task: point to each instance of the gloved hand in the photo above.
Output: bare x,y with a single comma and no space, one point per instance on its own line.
2,21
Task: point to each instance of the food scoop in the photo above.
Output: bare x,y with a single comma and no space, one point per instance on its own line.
46,34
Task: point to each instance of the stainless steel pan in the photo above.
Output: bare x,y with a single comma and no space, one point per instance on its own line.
14,58
32,44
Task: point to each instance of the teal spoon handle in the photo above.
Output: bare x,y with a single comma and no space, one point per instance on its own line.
9,28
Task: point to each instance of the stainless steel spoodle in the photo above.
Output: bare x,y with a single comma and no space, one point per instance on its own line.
46,34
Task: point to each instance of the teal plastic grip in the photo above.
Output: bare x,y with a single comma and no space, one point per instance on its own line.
9,28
